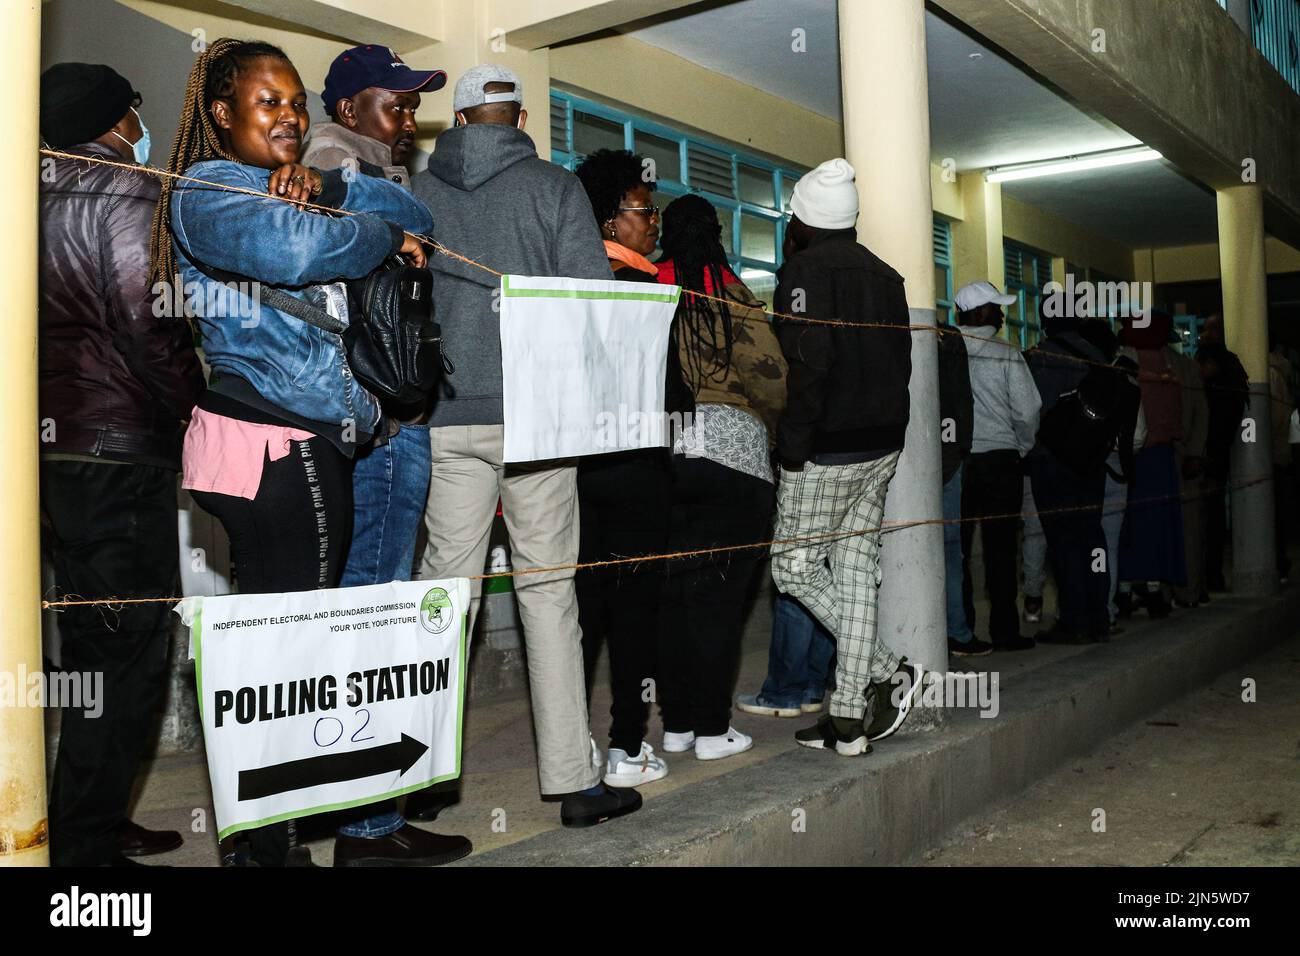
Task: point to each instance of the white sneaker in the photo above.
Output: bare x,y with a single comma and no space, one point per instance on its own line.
624,771
724,745
679,743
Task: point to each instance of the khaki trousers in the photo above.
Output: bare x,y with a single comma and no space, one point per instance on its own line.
540,506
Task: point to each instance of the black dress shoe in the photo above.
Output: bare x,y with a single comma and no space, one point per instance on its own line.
135,840
586,810
409,846
425,805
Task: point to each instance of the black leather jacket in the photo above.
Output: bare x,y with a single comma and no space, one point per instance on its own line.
117,381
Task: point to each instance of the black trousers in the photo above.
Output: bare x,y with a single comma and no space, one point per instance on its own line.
703,610
1216,522
110,532
623,503
992,485
1070,508
292,537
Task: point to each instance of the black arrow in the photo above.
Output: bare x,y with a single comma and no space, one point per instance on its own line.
330,768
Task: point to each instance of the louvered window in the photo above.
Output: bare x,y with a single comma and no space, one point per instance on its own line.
710,170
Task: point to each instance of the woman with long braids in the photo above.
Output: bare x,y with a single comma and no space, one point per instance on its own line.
723,487
269,446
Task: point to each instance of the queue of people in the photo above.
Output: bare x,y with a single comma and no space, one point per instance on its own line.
791,431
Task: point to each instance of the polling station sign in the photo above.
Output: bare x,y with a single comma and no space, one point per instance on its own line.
314,701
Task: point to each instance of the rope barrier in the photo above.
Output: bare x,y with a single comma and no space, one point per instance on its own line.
885,527
441,249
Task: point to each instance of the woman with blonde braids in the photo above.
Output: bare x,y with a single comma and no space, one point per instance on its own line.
269,447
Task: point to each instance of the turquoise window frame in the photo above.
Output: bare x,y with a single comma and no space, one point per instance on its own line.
728,206
1037,266
945,308
1275,28
563,106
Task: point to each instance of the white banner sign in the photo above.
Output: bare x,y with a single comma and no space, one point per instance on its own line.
322,700
583,365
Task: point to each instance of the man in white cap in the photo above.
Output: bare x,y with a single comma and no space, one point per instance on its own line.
496,202
1006,424
838,442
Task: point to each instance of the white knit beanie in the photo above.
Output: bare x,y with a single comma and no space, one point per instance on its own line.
826,197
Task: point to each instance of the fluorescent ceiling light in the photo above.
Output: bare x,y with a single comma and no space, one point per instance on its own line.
1072,164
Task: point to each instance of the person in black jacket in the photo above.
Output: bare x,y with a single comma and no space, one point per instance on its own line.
838,442
118,379
956,429
1226,393
1069,370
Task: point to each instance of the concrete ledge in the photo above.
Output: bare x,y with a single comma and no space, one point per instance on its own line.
889,807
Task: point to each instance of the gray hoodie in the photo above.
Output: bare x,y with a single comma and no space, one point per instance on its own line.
497,203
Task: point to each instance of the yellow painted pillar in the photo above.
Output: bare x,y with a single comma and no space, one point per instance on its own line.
1245,324
887,140
977,239
473,35
23,827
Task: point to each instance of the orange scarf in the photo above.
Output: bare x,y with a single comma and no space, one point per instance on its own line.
621,253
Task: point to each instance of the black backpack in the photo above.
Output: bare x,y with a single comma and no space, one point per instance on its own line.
1081,428
393,345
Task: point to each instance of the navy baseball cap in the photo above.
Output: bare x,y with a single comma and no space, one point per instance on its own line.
362,67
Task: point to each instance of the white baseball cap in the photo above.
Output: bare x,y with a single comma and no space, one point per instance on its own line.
469,88
974,294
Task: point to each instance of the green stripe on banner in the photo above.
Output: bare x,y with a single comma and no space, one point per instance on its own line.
585,294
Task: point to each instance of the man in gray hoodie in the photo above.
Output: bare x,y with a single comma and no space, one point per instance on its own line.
500,205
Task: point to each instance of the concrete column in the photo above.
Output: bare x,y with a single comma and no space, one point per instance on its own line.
477,32
977,239
1245,322
23,825
887,139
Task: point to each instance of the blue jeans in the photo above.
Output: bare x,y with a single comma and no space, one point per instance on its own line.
958,627
389,486
799,661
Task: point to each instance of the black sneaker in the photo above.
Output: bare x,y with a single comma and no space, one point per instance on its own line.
972,648
845,735
887,717
587,810
1019,643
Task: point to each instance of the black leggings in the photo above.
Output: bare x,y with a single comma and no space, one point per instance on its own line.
292,537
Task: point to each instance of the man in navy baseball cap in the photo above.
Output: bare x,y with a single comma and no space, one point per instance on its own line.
371,91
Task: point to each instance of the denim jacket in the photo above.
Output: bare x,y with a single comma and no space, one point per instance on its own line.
294,366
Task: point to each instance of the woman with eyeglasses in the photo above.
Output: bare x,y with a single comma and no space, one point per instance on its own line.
623,496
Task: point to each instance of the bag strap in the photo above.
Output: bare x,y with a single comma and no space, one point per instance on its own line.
279,300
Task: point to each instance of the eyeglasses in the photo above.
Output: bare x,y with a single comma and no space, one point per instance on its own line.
136,100
650,211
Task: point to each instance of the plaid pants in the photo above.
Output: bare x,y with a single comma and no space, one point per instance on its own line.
836,575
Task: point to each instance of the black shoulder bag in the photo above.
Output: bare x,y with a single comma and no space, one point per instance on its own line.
394,346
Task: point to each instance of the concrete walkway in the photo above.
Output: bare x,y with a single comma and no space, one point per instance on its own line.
1210,780
782,804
